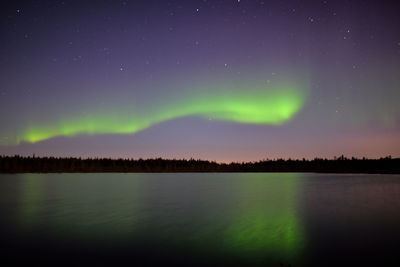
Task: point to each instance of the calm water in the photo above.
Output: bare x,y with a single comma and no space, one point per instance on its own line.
245,219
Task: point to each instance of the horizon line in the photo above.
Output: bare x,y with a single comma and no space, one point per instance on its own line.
341,157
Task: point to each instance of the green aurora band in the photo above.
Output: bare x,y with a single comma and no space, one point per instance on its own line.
262,104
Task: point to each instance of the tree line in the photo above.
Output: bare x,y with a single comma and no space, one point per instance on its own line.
20,164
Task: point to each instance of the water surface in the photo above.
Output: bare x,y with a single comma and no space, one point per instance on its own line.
223,219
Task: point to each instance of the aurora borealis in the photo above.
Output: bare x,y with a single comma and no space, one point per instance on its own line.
258,107
218,80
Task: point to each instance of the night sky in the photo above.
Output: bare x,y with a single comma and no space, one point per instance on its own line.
226,80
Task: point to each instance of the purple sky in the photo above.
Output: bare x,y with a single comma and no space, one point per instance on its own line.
62,59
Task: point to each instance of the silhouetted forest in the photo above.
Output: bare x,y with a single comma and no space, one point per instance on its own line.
19,164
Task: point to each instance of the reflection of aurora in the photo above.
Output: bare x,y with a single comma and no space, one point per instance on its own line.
266,225
247,217
91,205
32,187
255,103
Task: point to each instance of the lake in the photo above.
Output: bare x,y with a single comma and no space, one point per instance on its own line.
199,219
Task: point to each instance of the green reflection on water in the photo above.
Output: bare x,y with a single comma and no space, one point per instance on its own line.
264,222
79,206
248,217
32,193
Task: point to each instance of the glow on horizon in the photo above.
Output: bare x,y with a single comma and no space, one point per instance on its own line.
253,104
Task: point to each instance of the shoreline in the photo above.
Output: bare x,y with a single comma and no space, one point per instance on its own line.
18,164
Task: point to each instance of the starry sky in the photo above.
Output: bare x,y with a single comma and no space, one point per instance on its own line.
224,80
